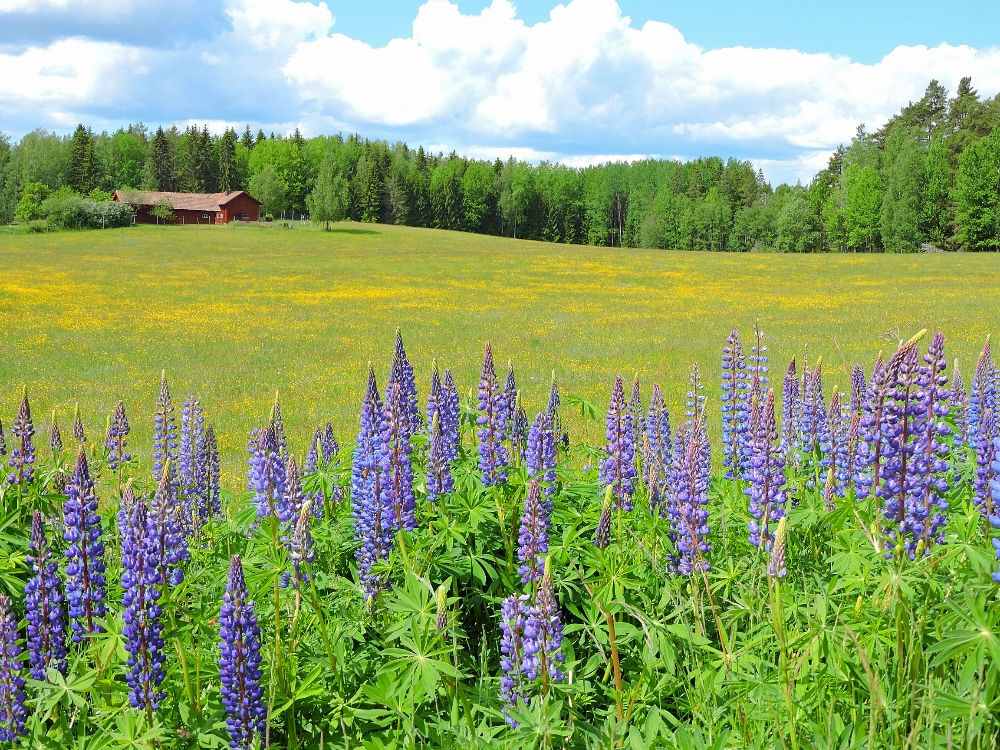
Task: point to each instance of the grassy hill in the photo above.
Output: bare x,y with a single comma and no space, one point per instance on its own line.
234,313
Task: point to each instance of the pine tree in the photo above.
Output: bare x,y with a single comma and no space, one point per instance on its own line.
81,161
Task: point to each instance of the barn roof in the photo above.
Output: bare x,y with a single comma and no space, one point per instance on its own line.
181,201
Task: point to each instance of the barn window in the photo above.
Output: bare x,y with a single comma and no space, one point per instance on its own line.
204,216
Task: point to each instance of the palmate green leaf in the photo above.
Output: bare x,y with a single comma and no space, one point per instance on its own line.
131,732
420,661
971,633
69,692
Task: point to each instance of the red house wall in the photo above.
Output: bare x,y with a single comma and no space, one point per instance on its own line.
242,204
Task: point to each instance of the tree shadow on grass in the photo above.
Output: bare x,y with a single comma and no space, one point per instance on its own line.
351,230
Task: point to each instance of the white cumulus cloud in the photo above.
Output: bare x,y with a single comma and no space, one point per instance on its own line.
587,81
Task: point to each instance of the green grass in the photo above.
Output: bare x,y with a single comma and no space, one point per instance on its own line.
234,313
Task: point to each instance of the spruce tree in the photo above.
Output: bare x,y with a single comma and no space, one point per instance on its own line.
227,161
81,161
248,138
161,162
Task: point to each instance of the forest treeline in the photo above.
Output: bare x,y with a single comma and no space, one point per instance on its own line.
928,177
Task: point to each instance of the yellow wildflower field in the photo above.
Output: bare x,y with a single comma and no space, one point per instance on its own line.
234,313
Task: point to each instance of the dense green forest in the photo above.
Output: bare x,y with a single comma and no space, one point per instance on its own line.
928,177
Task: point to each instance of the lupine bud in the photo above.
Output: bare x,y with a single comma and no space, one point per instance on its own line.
602,535
55,436
279,429
540,455
791,410
78,433
442,608
439,479
776,565
509,399
188,465
22,456
171,545
116,443
164,431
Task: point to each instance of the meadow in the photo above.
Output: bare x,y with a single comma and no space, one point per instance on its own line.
232,314
748,560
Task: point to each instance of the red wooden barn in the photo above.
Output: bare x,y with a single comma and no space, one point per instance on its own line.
193,208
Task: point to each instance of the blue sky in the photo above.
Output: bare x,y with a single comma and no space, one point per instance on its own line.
779,83
864,31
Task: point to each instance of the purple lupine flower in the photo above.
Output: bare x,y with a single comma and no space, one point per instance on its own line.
898,448
143,630
874,413
493,457
985,460
852,460
543,634
757,361
433,394
267,473
12,697
837,454
995,495
767,478
602,534
687,509
735,408
514,690
208,476
858,388
78,432
116,444
533,539
791,410
540,454
164,431
815,424
694,412
22,456
982,393
637,412
926,480
44,606
509,399
239,663
959,402
316,497
552,409
439,479
657,461
170,543
3,443
85,570
450,416
618,465
398,466
754,397
402,372
295,513
279,429
190,484
55,437
519,430
329,443
373,514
